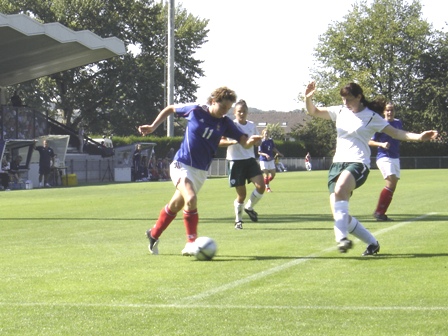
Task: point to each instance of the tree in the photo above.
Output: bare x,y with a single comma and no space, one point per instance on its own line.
430,98
115,95
390,51
317,135
377,46
276,131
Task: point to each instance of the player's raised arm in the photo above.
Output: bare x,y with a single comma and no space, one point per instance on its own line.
311,109
161,117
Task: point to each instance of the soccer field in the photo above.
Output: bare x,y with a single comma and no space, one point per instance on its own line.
74,261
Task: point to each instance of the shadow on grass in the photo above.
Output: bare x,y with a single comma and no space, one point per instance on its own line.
222,258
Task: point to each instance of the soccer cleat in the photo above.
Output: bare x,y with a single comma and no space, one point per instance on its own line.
372,249
47,185
153,243
190,249
268,189
382,217
344,245
239,225
252,214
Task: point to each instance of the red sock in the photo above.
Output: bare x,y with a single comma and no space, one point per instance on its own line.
191,219
165,219
271,178
266,181
384,201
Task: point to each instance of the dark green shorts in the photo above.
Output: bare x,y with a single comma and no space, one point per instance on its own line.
241,171
358,170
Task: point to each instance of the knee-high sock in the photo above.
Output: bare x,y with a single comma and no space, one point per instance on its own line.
191,219
254,198
384,201
360,232
165,219
238,210
341,219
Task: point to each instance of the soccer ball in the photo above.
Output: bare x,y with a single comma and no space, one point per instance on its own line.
206,248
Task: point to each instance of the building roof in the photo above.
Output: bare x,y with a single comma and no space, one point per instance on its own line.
31,49
287,120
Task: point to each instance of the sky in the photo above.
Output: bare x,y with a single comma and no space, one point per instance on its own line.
263,49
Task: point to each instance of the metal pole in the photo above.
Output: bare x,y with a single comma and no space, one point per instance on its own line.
170,81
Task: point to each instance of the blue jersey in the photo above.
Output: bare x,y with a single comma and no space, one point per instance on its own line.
393,151
202,136
267,146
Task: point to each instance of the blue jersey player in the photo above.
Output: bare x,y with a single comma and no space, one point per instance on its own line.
206,126
388,162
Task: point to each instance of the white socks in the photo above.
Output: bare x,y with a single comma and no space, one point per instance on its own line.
345,224
254,198
238,211
341,219
360,232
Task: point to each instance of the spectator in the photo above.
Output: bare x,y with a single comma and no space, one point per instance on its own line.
170,155
279,164
308,161
136,163
46,162
16,101
4,173
14,169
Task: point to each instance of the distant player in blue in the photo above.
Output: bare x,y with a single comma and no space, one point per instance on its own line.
267,151
206,126
388,162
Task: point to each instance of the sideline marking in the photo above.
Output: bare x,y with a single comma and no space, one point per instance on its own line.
292,263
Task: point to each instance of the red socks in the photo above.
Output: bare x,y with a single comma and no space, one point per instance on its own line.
384,201
191,219
165,219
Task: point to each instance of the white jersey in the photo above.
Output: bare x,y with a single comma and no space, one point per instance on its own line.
354,131
238,152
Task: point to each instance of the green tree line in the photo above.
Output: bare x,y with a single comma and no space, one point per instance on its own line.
384,45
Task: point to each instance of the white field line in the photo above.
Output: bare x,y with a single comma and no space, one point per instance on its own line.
208,306
290,264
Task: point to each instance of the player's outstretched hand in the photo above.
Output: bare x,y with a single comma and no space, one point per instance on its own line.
428,135
310,89
145,129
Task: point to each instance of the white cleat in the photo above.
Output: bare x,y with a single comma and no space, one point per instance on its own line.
190,249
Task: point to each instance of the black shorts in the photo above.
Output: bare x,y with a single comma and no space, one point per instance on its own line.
44,170
241,171
357,169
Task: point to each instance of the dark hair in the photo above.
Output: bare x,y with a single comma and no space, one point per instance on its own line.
242,103
355,90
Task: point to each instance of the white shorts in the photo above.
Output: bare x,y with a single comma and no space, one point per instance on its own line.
178,170
389,166
267,165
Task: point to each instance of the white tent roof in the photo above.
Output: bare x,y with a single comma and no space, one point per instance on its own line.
30,49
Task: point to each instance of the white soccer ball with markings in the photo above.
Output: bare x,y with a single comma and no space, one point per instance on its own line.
206,248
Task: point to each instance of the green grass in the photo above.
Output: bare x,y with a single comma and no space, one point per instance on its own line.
74,261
